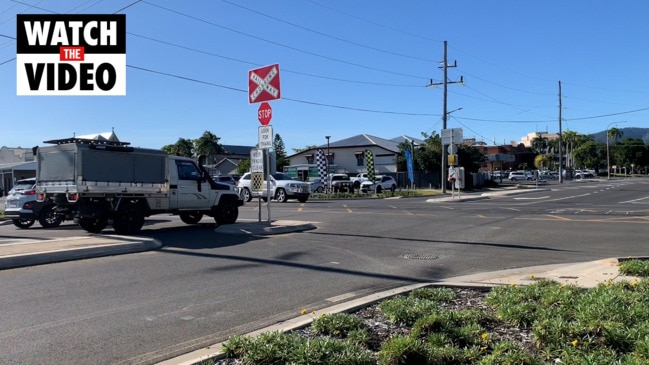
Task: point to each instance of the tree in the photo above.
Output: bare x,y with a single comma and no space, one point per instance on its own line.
280,153
243,167
539,144
569,139
183,147
614,134
588,154
208,144
541,161
429,158
298,150
470,158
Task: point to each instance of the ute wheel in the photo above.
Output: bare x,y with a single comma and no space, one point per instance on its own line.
191,217
93,225
23,223
129,219
48,217
281,196
379,189
226,214
357,184
245,195
320,190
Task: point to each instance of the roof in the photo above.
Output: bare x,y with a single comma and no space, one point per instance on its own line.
237,150
31,165
364,140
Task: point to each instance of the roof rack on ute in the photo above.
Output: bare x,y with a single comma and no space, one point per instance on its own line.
87,141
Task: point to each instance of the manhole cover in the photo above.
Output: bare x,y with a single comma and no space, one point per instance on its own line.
416,256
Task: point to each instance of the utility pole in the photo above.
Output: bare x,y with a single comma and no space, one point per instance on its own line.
444,112
560,139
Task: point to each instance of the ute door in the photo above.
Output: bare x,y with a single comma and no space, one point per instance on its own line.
193,189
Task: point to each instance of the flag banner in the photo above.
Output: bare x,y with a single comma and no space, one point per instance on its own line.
411,172
321,161
369,165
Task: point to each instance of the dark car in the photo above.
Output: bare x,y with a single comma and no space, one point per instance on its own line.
23,209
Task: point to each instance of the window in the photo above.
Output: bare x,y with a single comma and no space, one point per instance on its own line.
360,160
309,159
187,170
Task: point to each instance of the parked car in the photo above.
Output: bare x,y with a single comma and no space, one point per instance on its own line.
226,179
381,183
520,175
583,174
341,183
548,175
23,209
317,186
282,188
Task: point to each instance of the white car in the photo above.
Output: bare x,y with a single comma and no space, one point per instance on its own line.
520,175
282,188
317,186
380,184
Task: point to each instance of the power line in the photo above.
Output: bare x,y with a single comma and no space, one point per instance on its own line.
256,64
283,98
327,35
280,44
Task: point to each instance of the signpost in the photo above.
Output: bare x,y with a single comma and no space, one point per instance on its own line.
263,86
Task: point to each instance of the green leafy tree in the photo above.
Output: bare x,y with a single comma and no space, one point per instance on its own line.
183,147
280,153
470,158
588,154
207,145
243,167
542,162
429,158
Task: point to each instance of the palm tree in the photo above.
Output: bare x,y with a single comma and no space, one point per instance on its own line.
569,140
539,143
615,134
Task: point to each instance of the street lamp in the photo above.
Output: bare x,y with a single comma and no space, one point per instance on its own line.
608,158
327,160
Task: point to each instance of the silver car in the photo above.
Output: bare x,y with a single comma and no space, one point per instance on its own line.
23,209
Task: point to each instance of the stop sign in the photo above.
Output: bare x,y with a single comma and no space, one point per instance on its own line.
265,113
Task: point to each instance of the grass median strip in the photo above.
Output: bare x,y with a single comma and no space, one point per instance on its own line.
542,323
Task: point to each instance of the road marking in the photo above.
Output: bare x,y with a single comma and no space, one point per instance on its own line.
558,217
634,200
531,198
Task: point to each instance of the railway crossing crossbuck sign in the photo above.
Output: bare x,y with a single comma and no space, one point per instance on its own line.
263,84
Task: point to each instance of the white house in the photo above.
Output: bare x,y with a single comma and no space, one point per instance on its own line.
348,155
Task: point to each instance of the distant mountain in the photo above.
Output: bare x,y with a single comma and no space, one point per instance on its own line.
642,133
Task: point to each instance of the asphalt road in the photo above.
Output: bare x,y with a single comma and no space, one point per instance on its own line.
204,286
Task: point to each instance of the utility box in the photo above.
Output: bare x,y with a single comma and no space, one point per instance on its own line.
458,173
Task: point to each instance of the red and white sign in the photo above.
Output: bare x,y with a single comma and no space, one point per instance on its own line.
263,84
265,113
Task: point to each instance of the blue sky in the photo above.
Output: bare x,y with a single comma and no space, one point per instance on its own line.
346,68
